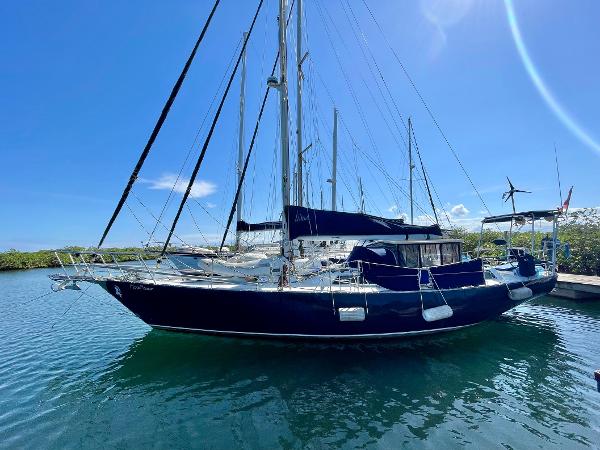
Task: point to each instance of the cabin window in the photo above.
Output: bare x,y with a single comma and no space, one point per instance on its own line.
387,252
408,255
430,255
450,253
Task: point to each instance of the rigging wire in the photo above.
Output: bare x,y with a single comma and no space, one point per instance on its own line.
210,107
351,89
379,71
368,49
218,221
356,171
382,170
158,221
137,219
157,127
210,133
249,153
196,224
427,108
433,208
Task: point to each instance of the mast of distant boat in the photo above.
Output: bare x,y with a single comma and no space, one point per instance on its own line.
334,163
241,144
410,171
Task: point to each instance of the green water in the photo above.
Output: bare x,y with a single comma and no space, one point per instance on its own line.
98,377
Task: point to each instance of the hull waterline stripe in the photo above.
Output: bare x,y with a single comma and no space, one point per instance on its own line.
314,336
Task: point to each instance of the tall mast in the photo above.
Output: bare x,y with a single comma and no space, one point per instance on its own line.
241,143
334,168
410,171
299,100
283,103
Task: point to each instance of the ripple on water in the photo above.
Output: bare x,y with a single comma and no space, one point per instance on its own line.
98,377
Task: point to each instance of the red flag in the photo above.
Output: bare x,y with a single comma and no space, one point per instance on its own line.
565,206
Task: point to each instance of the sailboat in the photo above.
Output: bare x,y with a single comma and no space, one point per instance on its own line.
400,279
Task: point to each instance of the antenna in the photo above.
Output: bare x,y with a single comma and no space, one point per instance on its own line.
558,174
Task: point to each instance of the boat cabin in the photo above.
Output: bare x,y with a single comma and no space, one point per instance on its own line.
413,264
414,254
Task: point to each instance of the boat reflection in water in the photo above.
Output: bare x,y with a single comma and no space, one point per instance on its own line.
502,382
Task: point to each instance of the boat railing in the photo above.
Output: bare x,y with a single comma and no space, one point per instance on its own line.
541,259
100,265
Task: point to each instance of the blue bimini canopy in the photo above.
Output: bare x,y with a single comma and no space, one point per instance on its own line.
320,225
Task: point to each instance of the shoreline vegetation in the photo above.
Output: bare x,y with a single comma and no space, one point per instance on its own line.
43,259
581,230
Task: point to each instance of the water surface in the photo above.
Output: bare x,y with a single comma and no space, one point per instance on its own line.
96,376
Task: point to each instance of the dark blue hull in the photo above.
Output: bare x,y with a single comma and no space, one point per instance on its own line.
284,314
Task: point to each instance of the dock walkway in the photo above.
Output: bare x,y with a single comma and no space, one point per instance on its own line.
577,287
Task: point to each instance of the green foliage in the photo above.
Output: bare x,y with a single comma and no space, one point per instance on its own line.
16,260
581,230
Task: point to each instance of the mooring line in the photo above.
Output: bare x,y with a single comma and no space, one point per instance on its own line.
70,306
36,298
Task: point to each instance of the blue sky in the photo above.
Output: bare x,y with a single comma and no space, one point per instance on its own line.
83,84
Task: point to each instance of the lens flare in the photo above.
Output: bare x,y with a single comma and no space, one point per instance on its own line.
548,97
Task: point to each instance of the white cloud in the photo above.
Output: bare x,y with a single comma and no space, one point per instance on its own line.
201,188
210,205
393,208
459,211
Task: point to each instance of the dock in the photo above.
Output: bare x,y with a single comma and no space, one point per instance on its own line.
577,287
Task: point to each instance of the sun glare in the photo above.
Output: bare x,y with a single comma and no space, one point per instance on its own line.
548,97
